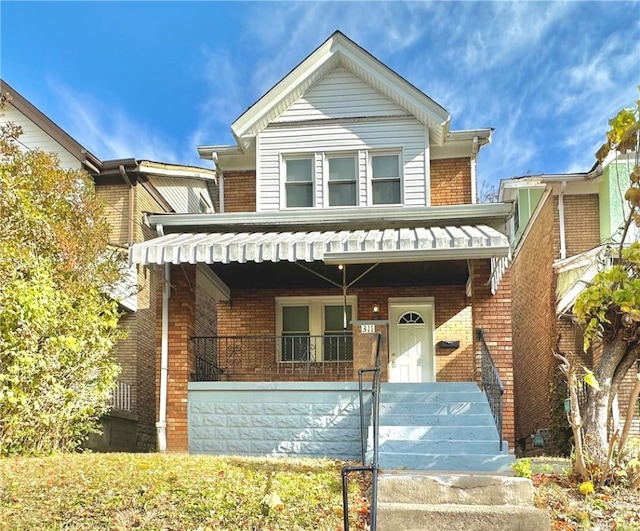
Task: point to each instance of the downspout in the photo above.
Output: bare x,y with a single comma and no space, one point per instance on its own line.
161,425
131,205
220,176
474,164
563,247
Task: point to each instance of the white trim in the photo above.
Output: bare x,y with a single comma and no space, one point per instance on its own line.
326,157
409,303
316,305
212,283
383,257
399,152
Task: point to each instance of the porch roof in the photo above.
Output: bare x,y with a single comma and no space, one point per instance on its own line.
453,242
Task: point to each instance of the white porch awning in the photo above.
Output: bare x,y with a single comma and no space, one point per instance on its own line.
357,246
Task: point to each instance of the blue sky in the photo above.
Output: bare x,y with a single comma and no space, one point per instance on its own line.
152,80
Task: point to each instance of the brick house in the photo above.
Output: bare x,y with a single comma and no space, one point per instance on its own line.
559,233
347,206
131,189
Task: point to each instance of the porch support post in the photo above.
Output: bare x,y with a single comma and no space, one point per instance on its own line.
180,355
161,425
365,334
492,313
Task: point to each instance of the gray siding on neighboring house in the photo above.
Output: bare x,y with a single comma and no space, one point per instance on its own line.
35,138
279,419
182,194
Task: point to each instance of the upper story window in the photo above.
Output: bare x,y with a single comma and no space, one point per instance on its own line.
342,181
385,179
299,182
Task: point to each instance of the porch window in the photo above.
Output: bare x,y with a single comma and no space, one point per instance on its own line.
299,182
385,179
313,328
342,181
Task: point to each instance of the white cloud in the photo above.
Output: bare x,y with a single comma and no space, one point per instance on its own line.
108,132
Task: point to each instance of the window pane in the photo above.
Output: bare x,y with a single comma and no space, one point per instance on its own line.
299,195
385,166
338,347
333,318
295,319
342,194
342,169
299,170
386,192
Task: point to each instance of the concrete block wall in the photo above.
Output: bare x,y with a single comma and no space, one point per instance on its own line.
279,419
451,181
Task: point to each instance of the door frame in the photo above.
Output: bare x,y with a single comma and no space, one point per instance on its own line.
430,321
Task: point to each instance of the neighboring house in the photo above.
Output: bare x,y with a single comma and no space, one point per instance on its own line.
346,207
560,233
131,190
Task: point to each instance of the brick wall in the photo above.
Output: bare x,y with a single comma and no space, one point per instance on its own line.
533,315
146,315
492,314
581,222
252,312
450,181
240,191
116,198
182,306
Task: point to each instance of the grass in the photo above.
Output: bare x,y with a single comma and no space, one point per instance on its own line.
558,492
174,492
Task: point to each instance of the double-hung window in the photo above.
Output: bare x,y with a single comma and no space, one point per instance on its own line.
385,179
342,180
299,182
315,329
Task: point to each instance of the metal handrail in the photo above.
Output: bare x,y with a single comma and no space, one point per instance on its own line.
373,467
491,383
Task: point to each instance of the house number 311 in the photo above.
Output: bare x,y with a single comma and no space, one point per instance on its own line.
368,329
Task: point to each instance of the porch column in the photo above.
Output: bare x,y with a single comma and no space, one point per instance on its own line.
492,313
365,334
181,354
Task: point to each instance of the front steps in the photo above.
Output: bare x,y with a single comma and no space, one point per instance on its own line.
457,502
438,427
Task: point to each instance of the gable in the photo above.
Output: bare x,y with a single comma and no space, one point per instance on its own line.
33,137
341,94
339,51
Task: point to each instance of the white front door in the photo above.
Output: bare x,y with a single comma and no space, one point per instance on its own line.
411,349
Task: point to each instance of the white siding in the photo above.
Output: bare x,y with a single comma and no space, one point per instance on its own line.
182,194
35,138
341,94
405,135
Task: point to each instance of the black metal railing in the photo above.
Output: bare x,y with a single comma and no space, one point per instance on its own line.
238,358
491,383
375,420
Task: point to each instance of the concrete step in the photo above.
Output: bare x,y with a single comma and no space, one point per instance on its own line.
434,408
450,517
433,397
429,387
439,433
465,489
455,462
394,419
436,447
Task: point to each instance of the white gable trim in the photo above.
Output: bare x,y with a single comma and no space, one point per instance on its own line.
339,50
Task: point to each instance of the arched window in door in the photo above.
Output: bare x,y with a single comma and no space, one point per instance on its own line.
411,318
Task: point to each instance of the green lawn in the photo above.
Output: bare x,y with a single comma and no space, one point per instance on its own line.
173,492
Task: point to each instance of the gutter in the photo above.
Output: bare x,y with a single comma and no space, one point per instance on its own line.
161,425
346,219
131,215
